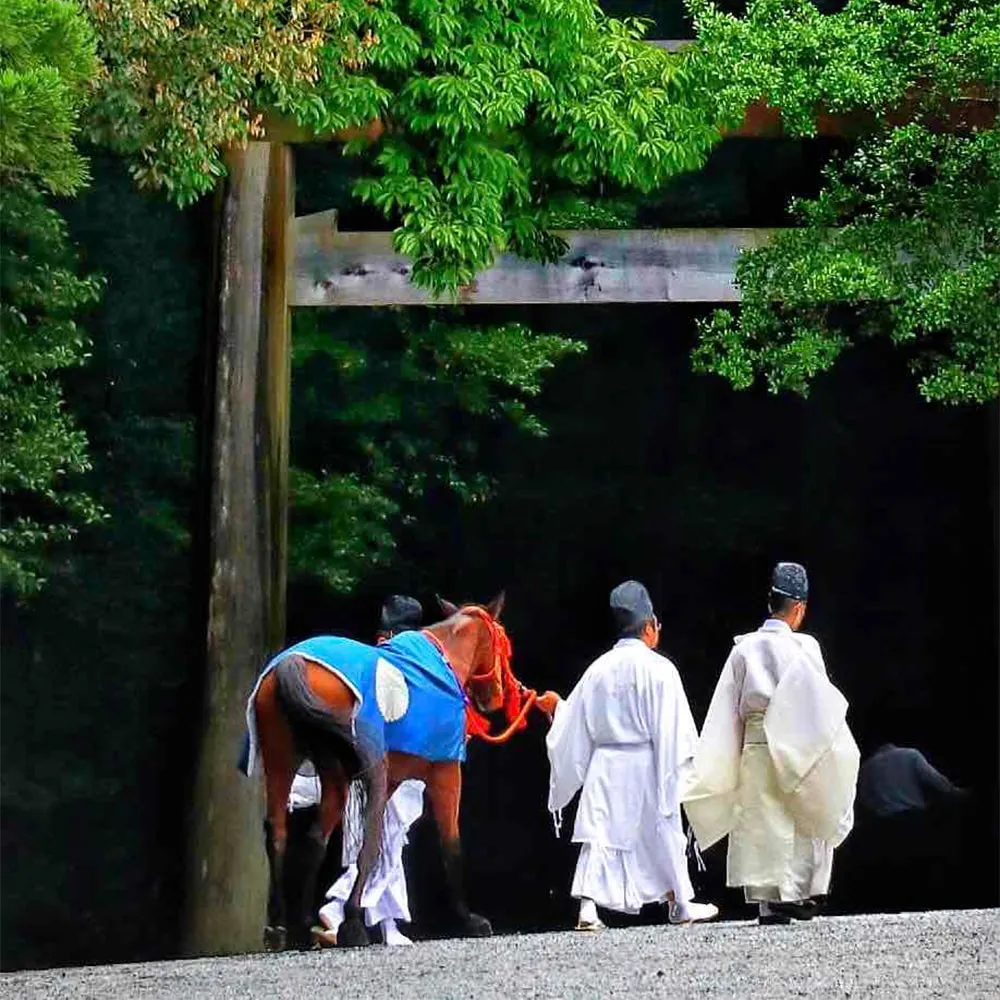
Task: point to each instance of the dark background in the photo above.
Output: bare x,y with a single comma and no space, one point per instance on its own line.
649,471
654,473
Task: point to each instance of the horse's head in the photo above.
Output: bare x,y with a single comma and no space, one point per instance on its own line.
487,651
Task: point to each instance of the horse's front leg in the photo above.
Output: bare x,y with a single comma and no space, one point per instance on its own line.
352,933
444,787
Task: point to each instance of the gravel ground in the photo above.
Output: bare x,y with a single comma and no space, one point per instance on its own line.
916,955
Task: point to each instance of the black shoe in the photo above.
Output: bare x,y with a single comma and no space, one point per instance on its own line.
773,919
805,910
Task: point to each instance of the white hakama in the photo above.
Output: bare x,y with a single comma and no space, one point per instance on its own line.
624,736
384,897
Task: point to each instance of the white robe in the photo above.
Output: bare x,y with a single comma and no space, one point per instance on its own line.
384,897
385,894
306,789
776,767
625,735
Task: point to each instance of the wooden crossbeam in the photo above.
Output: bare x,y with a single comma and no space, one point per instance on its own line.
638,265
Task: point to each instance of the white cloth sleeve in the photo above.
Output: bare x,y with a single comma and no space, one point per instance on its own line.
672,733
570,748
709,792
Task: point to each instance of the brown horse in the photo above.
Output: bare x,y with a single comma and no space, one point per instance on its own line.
302,709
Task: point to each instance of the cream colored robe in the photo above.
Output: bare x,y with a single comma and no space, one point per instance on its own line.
775,768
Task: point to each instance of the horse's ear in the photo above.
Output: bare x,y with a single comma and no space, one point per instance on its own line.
447,608
495,607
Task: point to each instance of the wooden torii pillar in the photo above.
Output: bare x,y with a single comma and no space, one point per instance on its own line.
226,888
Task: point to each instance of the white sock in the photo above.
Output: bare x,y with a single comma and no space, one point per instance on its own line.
393,935
588,911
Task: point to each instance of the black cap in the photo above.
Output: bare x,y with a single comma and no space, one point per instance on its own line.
400,613
631,605
789,579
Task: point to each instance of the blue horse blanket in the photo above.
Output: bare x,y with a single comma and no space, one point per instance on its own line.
408,697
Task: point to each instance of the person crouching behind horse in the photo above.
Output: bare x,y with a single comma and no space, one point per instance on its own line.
625,734
385,897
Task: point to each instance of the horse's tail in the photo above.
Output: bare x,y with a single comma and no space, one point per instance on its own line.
323,735
318,731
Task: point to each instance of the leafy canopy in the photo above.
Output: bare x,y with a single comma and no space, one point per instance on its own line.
47,58
904,240
488,118
184,80
395,408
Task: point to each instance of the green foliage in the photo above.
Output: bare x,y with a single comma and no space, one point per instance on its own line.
870,55
490,120
904,241
499,110
100,669
391,409
340,527
185,80
42,447
47,57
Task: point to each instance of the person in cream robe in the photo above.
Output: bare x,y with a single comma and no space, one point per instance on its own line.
385,898
776,765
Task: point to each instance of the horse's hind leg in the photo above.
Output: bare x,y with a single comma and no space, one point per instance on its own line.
280,760
275,843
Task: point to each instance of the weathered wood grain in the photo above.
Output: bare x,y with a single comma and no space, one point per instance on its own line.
226,875
673,265
279,251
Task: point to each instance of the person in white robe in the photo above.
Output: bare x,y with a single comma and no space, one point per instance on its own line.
776,765
624,736
385,898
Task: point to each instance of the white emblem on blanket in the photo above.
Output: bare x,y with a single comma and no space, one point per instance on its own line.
391,693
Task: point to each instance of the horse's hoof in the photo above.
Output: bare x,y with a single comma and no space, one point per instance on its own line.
275,938
476,926
300,940
352,934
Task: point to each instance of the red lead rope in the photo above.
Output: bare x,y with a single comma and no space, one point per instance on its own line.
477,725
529,696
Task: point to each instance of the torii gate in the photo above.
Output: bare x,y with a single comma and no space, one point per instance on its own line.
269,262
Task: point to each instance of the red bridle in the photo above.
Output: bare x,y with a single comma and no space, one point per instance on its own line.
517,699
499,646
